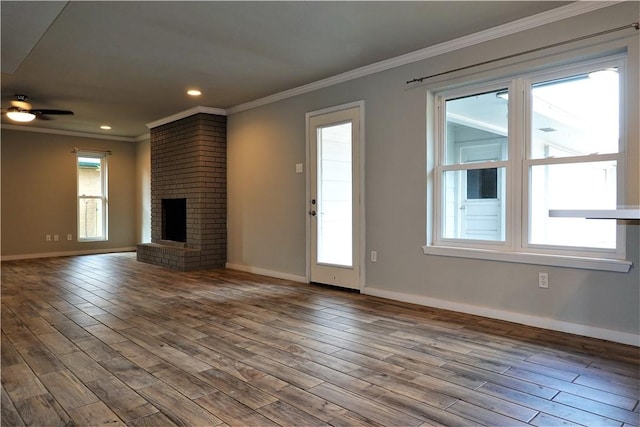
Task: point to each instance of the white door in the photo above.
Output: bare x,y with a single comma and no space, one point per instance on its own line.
482,193
334,196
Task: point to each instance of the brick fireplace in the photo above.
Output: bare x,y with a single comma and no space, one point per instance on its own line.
188,194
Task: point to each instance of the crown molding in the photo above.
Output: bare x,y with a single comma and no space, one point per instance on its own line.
143,137
187,113
550,16
69,133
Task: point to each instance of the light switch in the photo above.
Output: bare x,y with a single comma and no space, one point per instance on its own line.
298,167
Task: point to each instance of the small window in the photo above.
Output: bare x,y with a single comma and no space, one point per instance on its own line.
92,196
482,184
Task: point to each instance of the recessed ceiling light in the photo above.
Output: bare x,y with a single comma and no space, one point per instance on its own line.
194,92
105,127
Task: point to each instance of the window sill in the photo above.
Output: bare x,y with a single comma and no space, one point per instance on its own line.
603,264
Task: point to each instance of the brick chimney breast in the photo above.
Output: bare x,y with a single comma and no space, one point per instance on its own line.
189,161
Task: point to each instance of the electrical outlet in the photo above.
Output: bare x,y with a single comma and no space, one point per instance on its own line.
374,256
47,237
543,280
56,237
69,236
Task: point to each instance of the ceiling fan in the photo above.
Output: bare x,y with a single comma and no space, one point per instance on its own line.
21,111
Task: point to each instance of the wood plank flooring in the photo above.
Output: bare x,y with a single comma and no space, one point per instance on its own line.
106,340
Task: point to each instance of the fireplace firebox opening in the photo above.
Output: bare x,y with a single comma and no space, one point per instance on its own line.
174,220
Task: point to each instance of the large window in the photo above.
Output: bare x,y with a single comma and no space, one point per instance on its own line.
92,196
508,151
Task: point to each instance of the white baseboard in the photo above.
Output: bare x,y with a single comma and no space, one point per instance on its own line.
509,316
66,253
265,272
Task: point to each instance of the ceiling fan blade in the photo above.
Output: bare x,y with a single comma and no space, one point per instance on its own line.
40,111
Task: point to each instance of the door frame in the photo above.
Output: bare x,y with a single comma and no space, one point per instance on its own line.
361,204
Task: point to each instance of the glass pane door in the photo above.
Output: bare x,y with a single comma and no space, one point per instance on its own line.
335,216
335,199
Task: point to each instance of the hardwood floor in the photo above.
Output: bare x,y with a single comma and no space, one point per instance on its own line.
106,340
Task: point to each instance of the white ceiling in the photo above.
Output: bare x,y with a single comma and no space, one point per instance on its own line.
129,63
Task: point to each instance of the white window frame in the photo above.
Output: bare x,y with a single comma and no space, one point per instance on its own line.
441,168
103,198
515,247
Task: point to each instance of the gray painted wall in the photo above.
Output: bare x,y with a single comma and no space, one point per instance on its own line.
143,191
267,205
39,193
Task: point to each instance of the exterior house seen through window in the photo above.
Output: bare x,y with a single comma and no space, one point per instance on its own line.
92,196
506,152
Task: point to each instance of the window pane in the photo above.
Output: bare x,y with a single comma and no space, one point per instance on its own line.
576,115
90,218
91,197
476,128
476,218
334,196
573,186
89,176
482,184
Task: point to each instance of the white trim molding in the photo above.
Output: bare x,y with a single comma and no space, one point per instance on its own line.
509,316
70,133
66,253
556,260
187,113
265,272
